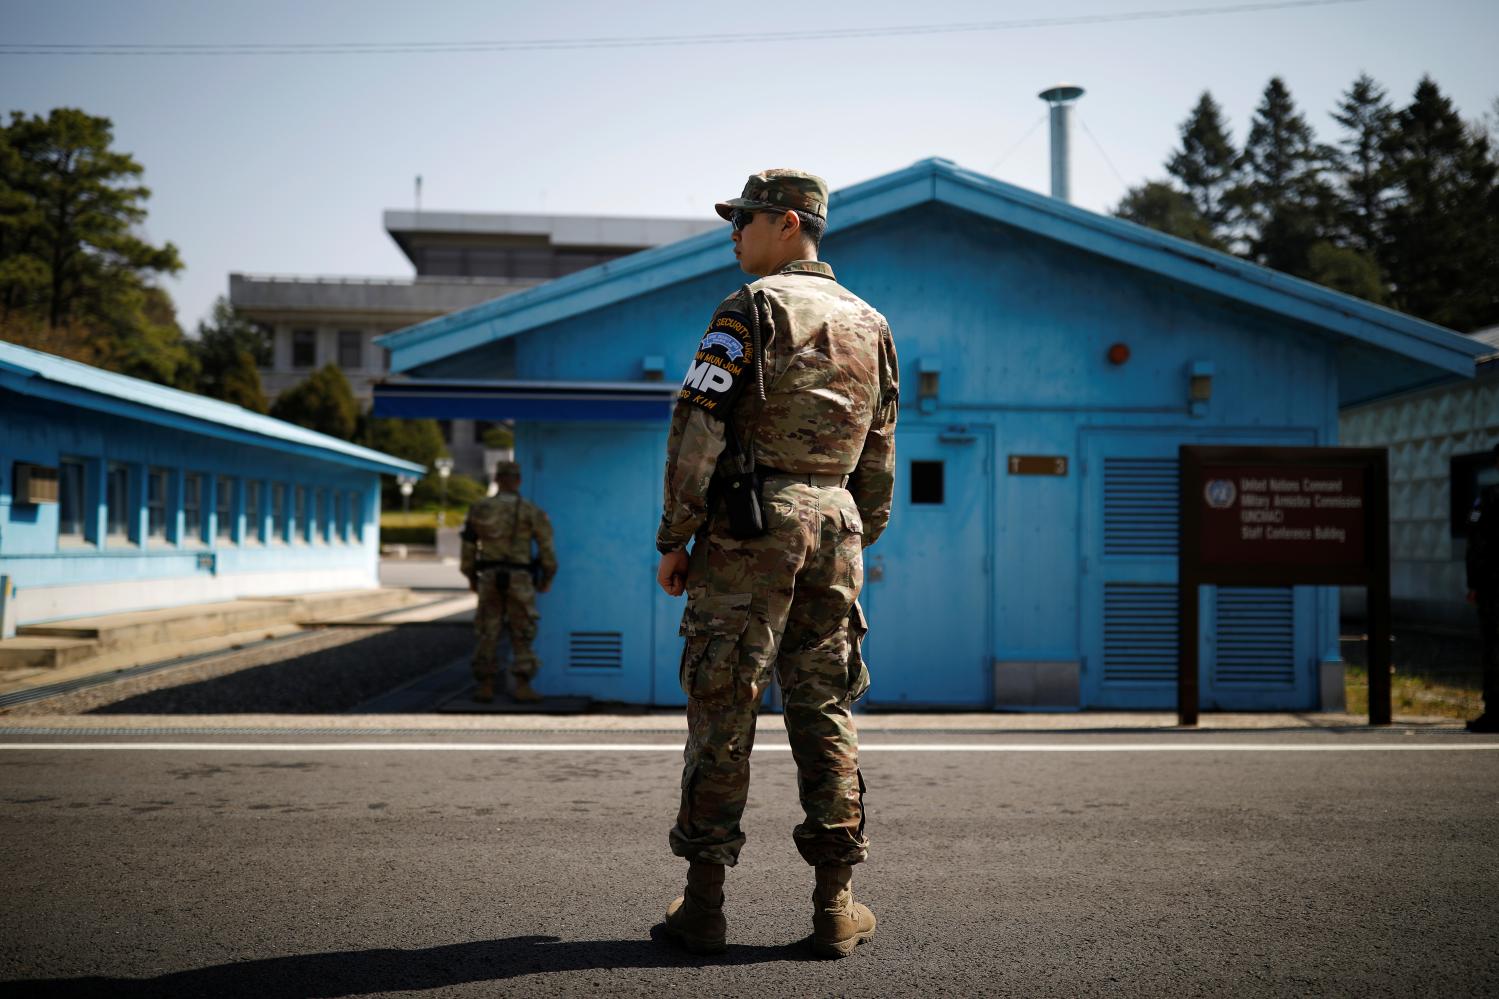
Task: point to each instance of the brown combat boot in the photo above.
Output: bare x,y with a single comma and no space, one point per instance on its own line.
839,924
520,690
484,690
696,919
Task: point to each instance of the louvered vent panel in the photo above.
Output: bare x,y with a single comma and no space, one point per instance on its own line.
1256,629
1139,633
1139,506
596,650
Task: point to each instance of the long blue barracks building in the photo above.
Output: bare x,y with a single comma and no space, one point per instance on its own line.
1052,361
120,495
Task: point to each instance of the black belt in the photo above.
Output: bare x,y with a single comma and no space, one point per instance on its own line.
810,478
515,566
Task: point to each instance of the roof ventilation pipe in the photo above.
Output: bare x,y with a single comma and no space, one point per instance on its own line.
1061,98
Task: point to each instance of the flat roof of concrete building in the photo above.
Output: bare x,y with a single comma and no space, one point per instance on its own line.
622,231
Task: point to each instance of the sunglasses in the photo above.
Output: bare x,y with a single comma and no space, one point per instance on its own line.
741,217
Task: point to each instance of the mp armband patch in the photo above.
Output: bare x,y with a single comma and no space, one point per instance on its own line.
724,360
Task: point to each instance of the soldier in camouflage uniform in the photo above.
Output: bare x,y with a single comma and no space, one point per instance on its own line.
497,538
1483,592
801,374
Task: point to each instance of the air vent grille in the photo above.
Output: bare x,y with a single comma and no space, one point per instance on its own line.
596,650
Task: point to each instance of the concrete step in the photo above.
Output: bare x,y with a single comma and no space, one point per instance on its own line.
342,605
146,636
32,652
172,624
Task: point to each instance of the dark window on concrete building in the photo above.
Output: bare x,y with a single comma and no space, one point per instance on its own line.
482,427
442,261
117,500
446,426
224,508
70,499
192,506
926,482
351,349
303,348
158,481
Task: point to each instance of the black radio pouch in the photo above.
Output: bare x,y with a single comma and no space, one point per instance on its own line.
740,487
739,477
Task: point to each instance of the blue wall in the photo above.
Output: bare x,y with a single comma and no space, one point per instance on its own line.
1008,567
345,538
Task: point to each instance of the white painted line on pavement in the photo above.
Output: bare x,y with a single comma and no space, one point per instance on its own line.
662,747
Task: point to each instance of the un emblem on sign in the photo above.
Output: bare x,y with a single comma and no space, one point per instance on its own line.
1220,493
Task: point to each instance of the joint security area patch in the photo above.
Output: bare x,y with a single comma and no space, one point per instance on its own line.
724,360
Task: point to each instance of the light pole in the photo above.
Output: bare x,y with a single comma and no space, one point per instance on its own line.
406,484
444,468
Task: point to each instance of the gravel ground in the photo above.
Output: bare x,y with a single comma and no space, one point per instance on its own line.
326,671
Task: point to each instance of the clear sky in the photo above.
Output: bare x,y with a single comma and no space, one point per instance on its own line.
284,163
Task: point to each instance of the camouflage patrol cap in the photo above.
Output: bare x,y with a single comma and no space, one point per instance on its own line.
504,468
796,190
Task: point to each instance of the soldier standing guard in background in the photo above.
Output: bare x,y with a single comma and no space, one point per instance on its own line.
791,399
497,559
1483,590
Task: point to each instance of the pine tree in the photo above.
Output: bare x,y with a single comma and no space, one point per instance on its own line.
1442,229
1206,166
1367,120
1283,200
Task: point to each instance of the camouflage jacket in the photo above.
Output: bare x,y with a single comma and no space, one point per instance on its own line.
832,392
501,528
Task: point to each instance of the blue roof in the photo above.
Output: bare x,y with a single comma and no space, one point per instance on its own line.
937,180
34,373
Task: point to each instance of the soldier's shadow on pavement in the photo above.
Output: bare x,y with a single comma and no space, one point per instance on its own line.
362,972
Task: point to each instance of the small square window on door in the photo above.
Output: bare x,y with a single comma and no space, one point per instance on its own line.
926,483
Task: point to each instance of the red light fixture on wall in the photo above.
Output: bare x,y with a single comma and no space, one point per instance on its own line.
1119,353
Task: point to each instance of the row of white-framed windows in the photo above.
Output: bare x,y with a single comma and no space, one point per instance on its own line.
272,512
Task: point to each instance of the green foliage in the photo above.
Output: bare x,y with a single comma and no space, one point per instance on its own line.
69,253
1441,245
1162,207
415,440
463,490
323,402
229,350
1403,211
499,437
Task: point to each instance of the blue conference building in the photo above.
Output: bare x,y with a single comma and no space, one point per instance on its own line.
119,495
1052,361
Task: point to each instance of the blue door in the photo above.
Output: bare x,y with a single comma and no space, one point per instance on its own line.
600,485
927,584
1256,643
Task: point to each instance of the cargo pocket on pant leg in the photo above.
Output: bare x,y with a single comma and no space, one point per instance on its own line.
713,625
858,671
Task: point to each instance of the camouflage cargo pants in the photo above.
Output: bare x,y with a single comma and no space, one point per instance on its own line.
507,603
783,602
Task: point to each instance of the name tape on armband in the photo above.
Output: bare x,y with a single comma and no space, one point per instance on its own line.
715,377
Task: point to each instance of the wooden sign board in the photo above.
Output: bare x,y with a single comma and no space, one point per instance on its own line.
1038,464
1276,516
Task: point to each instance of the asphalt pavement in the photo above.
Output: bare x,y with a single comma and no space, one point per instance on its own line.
530,862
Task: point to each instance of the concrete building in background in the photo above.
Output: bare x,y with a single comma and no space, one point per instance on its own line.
1441,444
462,259
118,495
